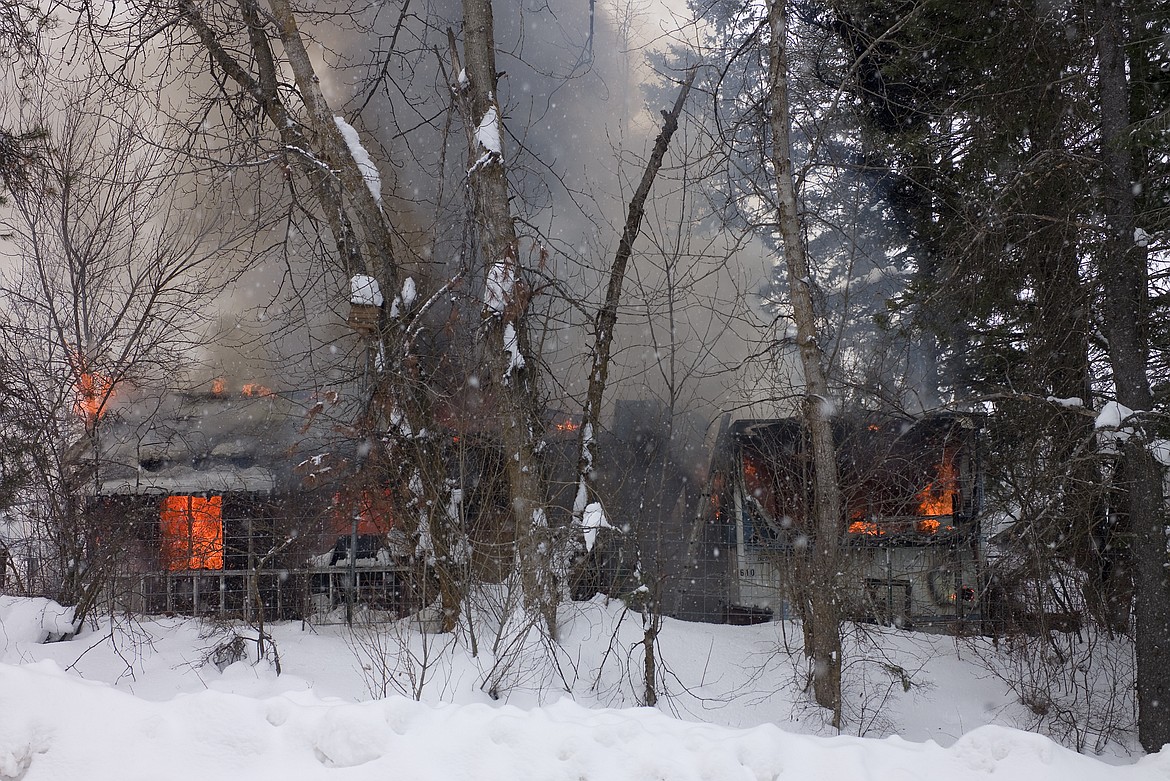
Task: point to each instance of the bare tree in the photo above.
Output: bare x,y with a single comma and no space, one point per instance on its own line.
820,596
22,25
111,276
607,315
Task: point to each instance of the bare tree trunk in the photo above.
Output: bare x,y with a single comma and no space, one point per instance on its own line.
607,317
364,239
505,308
380,261
1126,291
651,624
822,599
397,391
264,90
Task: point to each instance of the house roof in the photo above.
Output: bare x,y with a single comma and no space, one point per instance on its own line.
210,442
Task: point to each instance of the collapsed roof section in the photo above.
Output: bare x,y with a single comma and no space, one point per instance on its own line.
216,442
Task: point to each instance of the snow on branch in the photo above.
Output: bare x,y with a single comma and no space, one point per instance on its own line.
1113,416
593,520
499,290
512,347
405,299
360,156
488,139
364,291
1116,424
1071,402
487,135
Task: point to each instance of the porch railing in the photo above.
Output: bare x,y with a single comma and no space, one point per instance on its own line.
311,593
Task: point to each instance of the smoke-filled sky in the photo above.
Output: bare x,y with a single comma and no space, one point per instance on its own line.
577,96
579,127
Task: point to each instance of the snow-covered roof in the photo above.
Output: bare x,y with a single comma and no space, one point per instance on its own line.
189,480
209,443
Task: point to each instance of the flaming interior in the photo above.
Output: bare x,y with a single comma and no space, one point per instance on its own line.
932,504
760,484
192,532
938,497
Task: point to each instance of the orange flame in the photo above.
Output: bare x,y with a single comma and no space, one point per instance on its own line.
255,390
93,391
93,394
938,497
192,532
865,527
218,386
567,425
928,525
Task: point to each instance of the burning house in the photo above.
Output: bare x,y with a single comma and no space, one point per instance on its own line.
220,502
237,500
911,493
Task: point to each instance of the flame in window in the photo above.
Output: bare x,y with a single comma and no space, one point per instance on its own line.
192,532
938,497
760,484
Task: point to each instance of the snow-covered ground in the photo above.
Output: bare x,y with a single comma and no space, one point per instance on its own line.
147,699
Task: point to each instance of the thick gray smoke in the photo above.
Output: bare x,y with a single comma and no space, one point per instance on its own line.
579,127
578,132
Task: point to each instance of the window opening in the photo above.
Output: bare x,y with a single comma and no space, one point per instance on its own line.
192,532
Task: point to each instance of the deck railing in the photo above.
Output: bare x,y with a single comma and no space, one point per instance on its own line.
312,593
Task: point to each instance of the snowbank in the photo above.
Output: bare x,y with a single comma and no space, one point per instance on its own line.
135,699
24,621
54,726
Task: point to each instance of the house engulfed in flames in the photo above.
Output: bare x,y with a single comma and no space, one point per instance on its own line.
205,506
911,495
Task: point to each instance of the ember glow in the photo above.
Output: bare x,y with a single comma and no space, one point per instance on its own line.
251,390
928,525
255,390
192,532
371,510
865,527
93,391
566,425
